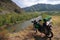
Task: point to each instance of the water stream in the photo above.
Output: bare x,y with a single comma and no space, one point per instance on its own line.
24,25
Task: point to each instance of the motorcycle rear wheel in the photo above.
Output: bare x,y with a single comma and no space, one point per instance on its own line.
50,35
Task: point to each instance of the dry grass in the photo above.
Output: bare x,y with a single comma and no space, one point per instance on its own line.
56,27
56,20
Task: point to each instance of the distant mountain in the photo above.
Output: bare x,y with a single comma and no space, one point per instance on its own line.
43,7
7,6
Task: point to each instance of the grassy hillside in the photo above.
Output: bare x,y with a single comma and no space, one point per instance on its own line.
42,7
7,6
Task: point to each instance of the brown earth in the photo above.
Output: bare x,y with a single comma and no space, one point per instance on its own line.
29,34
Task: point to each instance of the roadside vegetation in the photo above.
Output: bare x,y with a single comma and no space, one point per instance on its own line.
13,18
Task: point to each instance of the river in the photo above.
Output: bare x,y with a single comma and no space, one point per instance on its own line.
24,25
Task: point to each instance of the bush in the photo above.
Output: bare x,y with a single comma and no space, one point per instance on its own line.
13,18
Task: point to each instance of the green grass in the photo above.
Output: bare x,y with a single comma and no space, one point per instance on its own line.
13,18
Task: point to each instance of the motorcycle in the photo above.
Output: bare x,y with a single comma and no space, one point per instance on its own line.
48,32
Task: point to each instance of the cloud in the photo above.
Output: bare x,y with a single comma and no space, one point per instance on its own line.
53,0
29,3
19,2
26,3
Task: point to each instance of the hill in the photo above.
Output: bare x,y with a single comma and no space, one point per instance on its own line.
7,6
43,7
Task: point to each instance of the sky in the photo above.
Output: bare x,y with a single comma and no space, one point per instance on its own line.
27,3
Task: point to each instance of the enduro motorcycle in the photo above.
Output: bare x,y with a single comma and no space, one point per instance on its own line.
48,31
